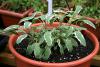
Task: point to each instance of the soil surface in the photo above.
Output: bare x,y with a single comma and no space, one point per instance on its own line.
78,52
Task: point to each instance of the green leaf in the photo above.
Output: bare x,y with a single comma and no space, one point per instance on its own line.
20,31
43,17
80,37
47,38
12,27
74,42
70,31
21,38
27,24
60,46
1,31
28,18
68,44
47,53
89,23
77,10
37,50
30,48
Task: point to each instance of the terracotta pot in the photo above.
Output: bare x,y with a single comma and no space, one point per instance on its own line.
10,17
26,62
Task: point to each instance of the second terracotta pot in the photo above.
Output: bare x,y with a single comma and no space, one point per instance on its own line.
11,18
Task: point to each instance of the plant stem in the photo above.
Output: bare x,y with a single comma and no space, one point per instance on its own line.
67,4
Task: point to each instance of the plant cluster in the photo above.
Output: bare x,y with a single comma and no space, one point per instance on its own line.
22,5
42,39
91,7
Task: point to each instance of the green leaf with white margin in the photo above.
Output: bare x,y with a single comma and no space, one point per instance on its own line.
89,23
77,10
27,24
21,38
28,18
37,51
60,46
80,37
12,27
68,44
48,38
47,53
20,31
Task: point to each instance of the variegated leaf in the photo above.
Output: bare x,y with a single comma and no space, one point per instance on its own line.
27,24
12,27
48,38
80,37
21,38
89,23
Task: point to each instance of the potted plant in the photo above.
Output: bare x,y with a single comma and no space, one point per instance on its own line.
52,44
11,11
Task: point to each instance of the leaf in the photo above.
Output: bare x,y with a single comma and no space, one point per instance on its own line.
68,44
27,24
74,42
60,46
70,31
30,48
43,17
28,18
80,37
89,23
47,53
21,38
37,50
12,27
80,28
47,38
77,10
20,31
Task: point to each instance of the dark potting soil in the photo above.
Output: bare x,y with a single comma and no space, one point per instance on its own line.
3,42
78,52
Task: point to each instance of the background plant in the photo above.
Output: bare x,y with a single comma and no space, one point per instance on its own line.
22,5
90,7
43,39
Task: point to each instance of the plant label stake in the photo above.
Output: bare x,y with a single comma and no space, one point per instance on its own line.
49,8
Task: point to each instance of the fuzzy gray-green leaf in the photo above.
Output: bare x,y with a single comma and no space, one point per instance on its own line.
80,37
89,23
48,38
27,24
21,38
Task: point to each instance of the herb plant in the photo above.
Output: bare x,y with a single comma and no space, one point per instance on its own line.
43,38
